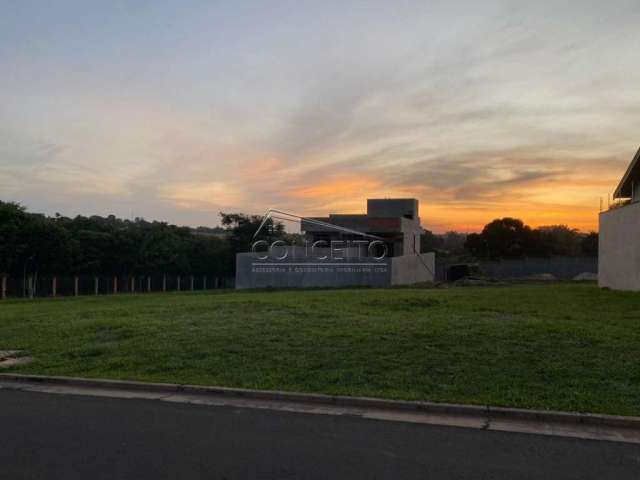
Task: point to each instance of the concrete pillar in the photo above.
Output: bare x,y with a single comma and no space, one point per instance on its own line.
3,287
96,285
204,282
54,286
164,282
115,284
30,286
75,286
179,281
191,283
148,284
133,284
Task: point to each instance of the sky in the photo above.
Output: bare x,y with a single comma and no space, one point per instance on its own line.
177,110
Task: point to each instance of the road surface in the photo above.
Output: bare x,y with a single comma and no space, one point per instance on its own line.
49,436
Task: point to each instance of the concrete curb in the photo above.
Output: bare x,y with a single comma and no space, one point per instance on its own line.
479,411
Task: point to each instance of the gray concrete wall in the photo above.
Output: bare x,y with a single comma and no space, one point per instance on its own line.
296,271
310,273
392,207
409,270
619,248
411,237
563,268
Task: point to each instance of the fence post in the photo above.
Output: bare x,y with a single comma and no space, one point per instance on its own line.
30,286
204,282
75,286
191,283
133,284
115,284
96,285
179,281
148,284
54,286
164,282
3,287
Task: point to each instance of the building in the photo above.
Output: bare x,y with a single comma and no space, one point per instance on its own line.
394,221
379,248
619,244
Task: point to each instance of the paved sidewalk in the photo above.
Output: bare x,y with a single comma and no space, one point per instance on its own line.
67,436
563,424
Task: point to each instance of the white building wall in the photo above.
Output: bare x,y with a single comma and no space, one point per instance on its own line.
619,248
412,269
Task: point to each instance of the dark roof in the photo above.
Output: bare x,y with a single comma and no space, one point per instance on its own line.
632,175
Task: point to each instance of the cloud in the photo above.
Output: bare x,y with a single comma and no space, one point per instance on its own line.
478,112
202,195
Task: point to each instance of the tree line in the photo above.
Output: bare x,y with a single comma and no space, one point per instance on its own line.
511,238
32,242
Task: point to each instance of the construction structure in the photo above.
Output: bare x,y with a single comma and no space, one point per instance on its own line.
378,248
619,240
395,221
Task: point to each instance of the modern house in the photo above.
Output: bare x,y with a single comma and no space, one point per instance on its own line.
395,221
378,248
619,247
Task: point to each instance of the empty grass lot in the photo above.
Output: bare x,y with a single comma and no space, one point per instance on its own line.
557,346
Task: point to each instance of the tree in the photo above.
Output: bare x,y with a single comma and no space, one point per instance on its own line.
506,237
13,217
476,245
245,229
31,241
559,240
429,242
589,245
212,255
510,237
108,245
47,244
454,241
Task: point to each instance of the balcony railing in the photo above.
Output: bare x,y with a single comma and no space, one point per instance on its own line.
622,202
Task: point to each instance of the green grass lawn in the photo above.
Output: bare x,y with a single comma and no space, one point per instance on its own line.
556,346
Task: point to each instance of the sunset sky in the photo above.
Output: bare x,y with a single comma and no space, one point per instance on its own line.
176,110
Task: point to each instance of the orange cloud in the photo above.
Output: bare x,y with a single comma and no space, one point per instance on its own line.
442,216
538,202
346,194
201,195
343,187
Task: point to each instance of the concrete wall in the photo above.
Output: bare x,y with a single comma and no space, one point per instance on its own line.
619,248
392,207
310,273
252,272
563,268
409,270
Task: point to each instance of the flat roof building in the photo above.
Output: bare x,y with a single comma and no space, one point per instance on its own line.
619,237
629,186
342,250
395,221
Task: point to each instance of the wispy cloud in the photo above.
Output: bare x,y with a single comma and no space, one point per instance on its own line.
479,111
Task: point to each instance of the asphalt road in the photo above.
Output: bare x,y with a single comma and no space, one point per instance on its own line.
48,436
